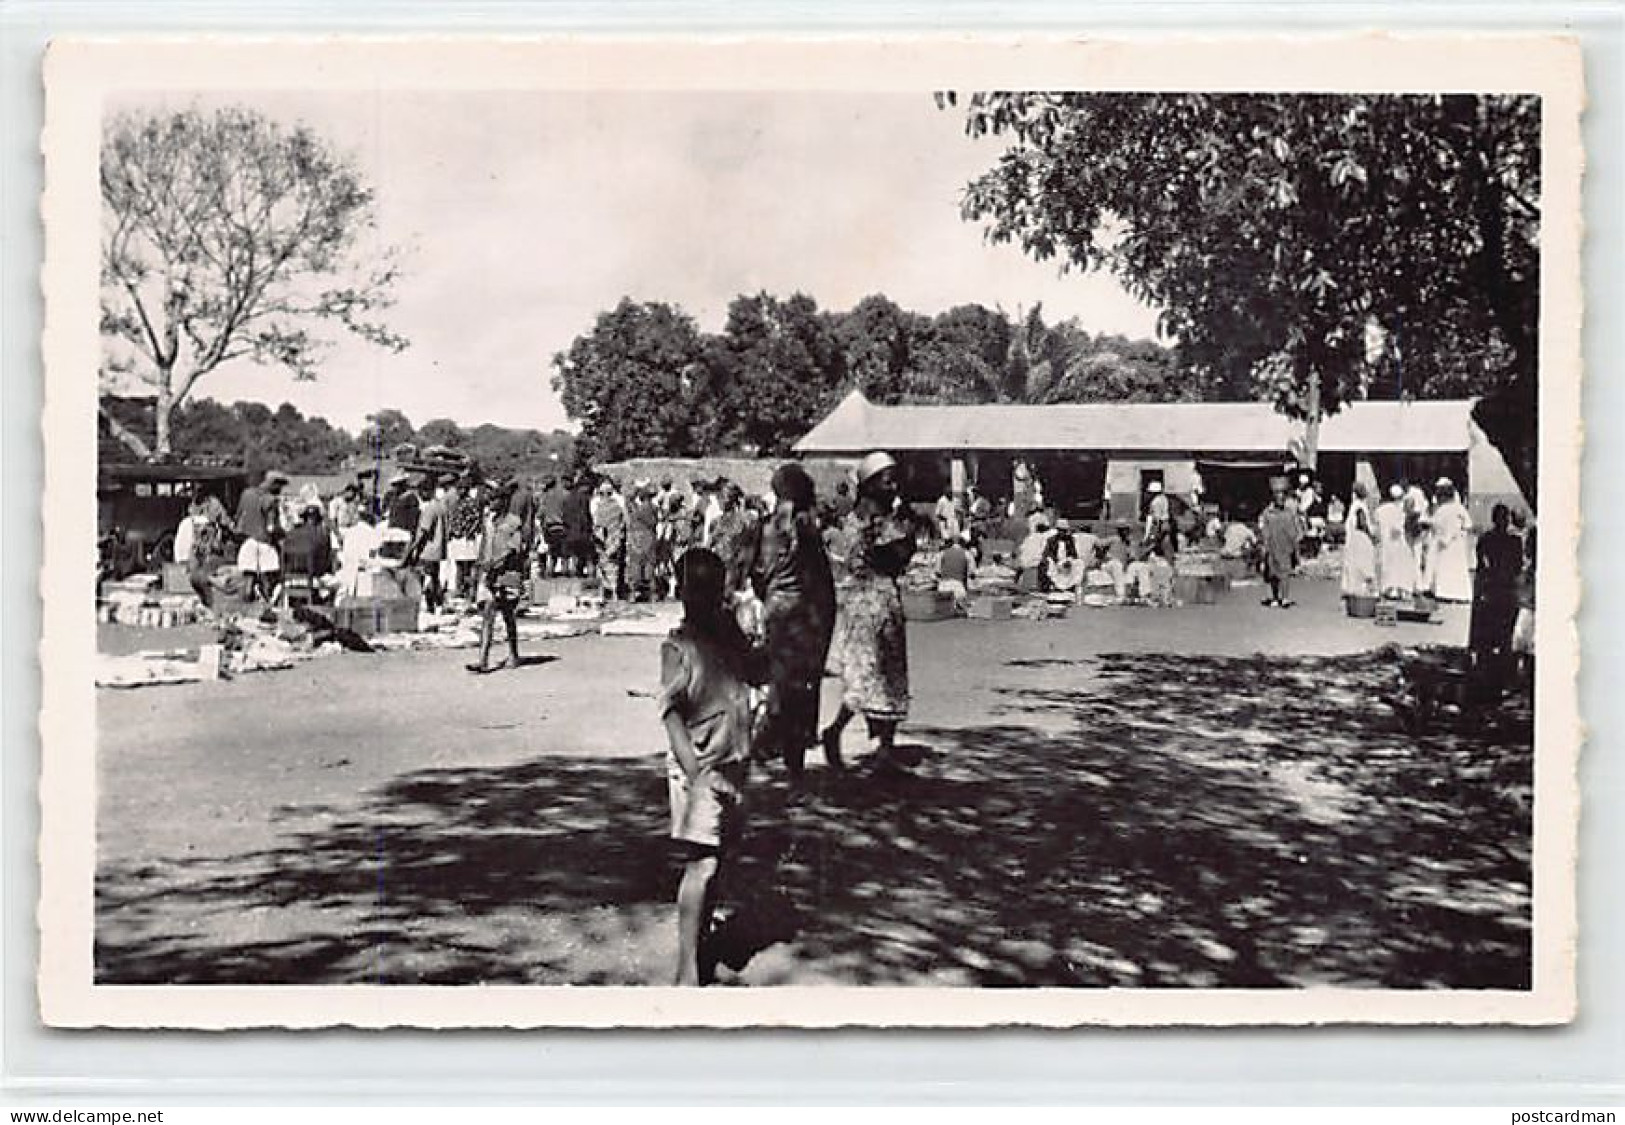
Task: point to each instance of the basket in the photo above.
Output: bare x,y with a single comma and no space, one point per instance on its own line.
370,617
927,605
1361,605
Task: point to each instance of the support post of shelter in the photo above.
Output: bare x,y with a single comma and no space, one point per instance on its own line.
957,475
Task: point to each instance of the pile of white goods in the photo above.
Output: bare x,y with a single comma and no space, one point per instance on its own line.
140,600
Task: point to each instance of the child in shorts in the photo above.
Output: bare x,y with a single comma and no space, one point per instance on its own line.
706,708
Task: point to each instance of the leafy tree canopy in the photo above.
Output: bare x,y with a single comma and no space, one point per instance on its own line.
228,236
1320,248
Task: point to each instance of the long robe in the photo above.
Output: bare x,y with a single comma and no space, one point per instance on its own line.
1359,551
1450,553
1396,562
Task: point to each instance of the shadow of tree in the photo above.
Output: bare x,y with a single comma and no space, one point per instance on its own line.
1200,822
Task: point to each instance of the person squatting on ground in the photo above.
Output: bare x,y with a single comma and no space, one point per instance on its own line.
870,648
705,706
1280,530
792,578
502,566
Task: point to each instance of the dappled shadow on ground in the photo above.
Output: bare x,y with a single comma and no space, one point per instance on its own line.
1198,822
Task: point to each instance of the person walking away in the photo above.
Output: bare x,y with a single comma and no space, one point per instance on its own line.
1359,546
1451,531
870,648
793,579
642,525
522,503
550,512
1280,531
502,565
609,539
1495,596
705,708
1396,563
578,529
259,522
428,547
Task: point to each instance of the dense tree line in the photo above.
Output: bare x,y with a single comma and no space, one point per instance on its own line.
645,381
258,437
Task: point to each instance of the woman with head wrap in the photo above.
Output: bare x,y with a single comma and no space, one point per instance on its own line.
870,651
1450,550
792,577
1396,562
1359,546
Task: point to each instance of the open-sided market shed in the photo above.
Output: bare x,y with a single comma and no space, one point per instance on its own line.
1099,459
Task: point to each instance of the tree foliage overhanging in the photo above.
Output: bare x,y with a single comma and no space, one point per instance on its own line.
645,381
1315,249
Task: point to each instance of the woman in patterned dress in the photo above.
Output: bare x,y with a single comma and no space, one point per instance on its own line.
870,649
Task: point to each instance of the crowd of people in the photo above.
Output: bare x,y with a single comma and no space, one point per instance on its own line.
777,590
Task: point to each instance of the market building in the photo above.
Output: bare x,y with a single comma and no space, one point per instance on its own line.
1099,460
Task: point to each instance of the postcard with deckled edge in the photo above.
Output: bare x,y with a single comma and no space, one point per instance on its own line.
904,532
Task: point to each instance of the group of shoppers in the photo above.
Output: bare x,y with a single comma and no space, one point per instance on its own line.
841,610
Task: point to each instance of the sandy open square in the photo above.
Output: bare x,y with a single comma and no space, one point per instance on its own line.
1202,796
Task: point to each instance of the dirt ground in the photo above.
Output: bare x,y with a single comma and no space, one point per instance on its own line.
1205,796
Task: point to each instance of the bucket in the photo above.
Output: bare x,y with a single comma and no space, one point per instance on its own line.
1361,605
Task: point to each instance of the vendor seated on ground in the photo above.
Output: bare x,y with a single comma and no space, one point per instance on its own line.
1240,541
953,570
307,553
1063,568
1112,558
1030,557
1149,578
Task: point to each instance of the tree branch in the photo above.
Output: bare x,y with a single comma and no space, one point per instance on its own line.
130,439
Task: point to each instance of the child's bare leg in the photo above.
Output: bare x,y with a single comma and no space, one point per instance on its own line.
487,627
511,622
693,910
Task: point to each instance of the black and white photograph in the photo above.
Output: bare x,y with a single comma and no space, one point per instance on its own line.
998,536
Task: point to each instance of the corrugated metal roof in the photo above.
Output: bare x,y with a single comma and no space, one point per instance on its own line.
857,425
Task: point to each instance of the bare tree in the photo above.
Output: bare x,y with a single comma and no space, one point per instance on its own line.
228,236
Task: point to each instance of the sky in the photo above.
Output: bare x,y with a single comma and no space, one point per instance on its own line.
524,215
